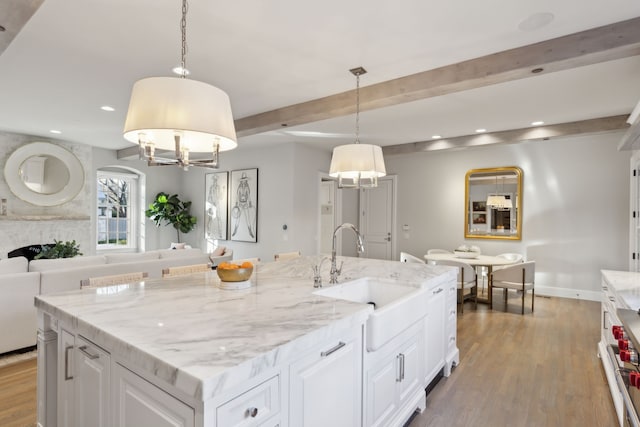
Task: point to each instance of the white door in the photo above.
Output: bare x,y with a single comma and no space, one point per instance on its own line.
634,241
377,219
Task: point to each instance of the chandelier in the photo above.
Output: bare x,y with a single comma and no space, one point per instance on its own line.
357,165
181,115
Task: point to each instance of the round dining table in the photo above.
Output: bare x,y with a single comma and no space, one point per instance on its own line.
488,261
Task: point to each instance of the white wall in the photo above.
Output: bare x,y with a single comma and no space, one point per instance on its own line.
575,206
287,194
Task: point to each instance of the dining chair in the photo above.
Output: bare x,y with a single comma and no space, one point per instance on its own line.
185,269
467,280
520,277
115,279
407,257
284,256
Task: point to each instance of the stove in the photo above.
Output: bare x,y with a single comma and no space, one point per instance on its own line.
624,353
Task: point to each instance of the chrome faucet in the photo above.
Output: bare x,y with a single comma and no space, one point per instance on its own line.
335,271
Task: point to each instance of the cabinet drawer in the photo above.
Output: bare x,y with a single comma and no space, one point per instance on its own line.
252,407
451,342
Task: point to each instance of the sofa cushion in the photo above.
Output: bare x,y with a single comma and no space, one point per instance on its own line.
182,253
132,257
64,263
14,265
178,245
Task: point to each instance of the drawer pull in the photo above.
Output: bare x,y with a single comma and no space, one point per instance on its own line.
252,412
438,291
83,349
333,349
612,299
66,363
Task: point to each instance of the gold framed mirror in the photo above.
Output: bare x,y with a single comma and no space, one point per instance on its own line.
493,203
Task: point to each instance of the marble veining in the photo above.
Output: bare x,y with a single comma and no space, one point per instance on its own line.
190,333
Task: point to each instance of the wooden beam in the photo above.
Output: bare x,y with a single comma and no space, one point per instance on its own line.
592,126
15,14
610,42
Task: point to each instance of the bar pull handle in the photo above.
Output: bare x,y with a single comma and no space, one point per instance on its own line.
438,291
332,349
401,367
67,377
83,349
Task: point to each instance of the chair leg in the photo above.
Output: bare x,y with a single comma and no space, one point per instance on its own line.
506,294
533,294
523,292
491,296
461,297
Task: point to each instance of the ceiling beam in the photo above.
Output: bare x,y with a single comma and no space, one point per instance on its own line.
592,126
14,14
610,42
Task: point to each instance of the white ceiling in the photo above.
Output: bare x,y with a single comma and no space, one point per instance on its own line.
74,56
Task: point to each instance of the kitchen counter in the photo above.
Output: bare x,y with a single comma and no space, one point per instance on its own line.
626,287
204,340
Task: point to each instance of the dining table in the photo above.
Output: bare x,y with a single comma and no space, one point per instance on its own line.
479,260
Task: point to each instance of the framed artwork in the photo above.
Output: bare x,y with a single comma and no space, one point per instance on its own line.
216,206
479,206
243,205
479,218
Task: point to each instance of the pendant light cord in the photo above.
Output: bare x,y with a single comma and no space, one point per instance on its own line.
183,29
357,108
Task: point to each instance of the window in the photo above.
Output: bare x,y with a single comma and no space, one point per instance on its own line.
117,211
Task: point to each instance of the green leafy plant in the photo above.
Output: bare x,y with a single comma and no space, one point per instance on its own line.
59,249
169,209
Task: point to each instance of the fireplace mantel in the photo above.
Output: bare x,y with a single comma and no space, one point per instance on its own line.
45,218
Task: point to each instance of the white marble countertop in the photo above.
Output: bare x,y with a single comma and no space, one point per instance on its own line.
626,286
202,339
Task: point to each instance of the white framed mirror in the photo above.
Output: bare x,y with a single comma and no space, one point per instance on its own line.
44,174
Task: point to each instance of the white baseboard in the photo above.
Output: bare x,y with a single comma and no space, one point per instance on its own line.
569,293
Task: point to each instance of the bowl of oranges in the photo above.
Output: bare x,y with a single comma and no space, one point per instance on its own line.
232,272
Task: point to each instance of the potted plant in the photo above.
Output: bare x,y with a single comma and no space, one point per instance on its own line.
169,209
59,249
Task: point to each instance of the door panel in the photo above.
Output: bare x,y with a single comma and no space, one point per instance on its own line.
377,207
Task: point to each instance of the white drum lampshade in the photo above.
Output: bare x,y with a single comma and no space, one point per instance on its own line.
357,163
160,107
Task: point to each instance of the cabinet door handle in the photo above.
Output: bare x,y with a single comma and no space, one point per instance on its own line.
83,349
332,349
438,291
66,363
399,371
401,367
604,319
252,412
612,299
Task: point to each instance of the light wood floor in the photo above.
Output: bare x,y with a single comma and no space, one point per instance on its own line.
538,369
532,370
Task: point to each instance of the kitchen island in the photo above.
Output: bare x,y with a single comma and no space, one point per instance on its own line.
182,351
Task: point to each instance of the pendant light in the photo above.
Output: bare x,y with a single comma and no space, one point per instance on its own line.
175,113
357,165
498,201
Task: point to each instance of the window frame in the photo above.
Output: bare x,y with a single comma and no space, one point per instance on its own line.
133,204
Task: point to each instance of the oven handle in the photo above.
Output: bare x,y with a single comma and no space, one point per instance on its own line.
629,409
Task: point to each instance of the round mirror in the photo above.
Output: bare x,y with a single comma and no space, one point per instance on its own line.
44,174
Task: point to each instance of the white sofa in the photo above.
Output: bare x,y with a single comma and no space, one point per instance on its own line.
18,287
21,281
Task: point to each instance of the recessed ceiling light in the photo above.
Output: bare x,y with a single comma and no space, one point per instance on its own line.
436,137
480,130
57,132
538,123
107,108
179,71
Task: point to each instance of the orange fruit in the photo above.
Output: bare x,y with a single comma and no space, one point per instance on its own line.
246,264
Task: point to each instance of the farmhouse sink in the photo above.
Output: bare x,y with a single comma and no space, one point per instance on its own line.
397,305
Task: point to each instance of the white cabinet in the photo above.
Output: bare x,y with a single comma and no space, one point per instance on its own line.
92,385
325,385
66,385
435,332
394,379
137,403
83,383
260,406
